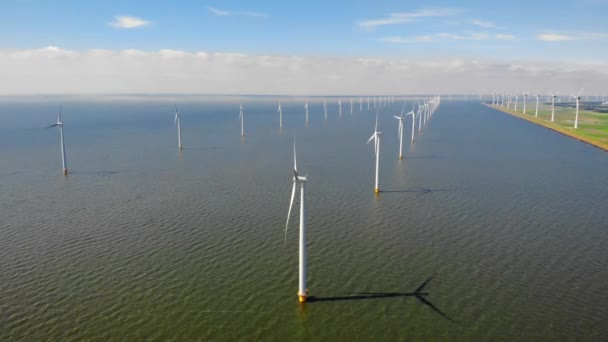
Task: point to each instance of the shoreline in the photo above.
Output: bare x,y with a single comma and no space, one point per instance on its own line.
553,127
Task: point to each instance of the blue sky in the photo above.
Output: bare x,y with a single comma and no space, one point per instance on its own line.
304,47
482,29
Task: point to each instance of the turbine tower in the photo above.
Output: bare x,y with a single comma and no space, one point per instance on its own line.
64,162
537,98
242,117
553,96
578,99
306,108
280,110
179,129
302,289
325,108
376,138
400,118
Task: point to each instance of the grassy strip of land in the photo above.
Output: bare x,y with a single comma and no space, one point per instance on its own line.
592,128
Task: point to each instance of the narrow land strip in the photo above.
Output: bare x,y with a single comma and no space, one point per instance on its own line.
570,132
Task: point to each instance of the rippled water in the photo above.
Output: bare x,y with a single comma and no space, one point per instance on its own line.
144,242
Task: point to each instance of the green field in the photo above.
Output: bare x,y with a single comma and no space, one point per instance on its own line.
592,126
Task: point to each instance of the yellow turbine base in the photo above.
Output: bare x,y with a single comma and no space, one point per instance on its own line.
400,157
302,298
65,172
377,190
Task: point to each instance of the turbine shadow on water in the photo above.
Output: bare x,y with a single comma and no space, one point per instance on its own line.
418,294
101,173
419,191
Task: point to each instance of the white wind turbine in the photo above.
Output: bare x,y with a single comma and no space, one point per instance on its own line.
325,108
553,96
306,108
368,103
302,289
578,99
537,99
400,118
351,106
64,162
516,100
413,121
340,107
280,110
360,104
376,138
525,99
242,117
177,121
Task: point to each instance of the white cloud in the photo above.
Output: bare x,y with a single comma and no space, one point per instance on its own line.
560,37
446,36
126,22
223,13
504,37
53,70
472,36
484,24
553,37
408,17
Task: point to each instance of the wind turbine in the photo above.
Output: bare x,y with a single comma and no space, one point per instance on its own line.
59,124
306,108
179,129
368,103
325,108
525,98
340,106
400,118
351,106
280,110
516,100
578,98
553,96
376,138
413,121
537,98
302,289
242,117
360,104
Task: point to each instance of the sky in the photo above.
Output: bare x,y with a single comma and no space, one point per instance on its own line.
302,48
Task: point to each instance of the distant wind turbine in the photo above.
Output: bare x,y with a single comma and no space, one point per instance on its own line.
578,99
302,289
177,121
64,162
413,121
537,99
340,107
360,104
306,108
376,138
400,118
325,108
525,99
351,106
280,110
242,117
553,96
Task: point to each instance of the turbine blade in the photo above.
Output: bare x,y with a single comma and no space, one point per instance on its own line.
52,126
293,195
372,137
396,117
175,120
